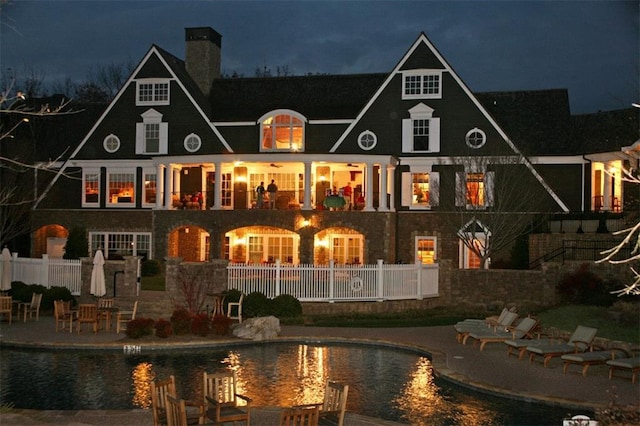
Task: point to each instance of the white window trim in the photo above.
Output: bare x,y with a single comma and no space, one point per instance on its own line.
106,235
85,172
154,82
192,135
273,113
435,248
422,73
474,130
367,133
151,116
461,189
421,112
148,171
464,252
104,143
407,190
135,188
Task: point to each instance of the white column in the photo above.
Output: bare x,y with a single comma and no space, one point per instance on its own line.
606,193
306,204
160,189
368,198
168,200
392,186
383,207
217,190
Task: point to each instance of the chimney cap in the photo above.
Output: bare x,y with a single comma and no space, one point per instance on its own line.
203,33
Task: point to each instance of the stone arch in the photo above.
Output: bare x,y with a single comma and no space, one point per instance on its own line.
49,239
342,244
189,242
262,244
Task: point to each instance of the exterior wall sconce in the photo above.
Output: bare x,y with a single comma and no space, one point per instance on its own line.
305,223
186,230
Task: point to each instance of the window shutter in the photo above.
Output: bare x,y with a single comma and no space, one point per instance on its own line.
405,189
139,138
461,189
434,134
407,135
489,178
434,188
164,138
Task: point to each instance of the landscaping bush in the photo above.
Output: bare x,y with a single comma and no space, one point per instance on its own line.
231,296
77,244
163,328
286,306
256,304
181,321
221,324
56,293
149,268
200,325
20,291
584,287
140,327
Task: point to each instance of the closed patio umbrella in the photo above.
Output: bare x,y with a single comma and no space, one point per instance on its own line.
5,280
98,286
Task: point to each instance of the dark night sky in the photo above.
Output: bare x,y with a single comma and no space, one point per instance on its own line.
589,47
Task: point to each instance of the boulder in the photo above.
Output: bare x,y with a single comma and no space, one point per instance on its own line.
261,328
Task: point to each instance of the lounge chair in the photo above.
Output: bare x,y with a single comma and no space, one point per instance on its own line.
586,359
579,341
464,328
631,364
524,328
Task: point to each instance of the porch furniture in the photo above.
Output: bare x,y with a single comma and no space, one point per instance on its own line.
88,314
586,359
64,315
464,328
176,412
524,328
238,308
631,364
334,202
579,341
124,316
6,307
334,405
31,307
160,389
300,416
105,311
221,395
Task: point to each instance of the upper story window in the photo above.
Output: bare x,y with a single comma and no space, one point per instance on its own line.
91,184
426,250
111,144
152,92
421,132
367,140
475,138
150,187
282,131
152,134
474,189
422,84
420,189
121,188
192,143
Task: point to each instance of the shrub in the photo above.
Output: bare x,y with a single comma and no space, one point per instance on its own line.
56,293
256,304
149,268
584,287
19,291
286,306
200,325
140,327
181,321
232,295
163,328
221,324
77,244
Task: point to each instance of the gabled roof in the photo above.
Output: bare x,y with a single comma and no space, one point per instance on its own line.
605,131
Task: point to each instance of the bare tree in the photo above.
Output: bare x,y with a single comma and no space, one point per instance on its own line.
110,77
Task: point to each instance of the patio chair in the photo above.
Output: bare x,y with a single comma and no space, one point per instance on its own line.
221,395
104,312
300,416
334,405
31,307
176,412
6,307
87,314
524,328
463,329
160,389
123,318
238,307
64,315
631,364
579,341
586,359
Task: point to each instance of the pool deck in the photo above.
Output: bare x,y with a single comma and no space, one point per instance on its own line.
491,370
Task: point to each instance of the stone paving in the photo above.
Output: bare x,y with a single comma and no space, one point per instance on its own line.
490,371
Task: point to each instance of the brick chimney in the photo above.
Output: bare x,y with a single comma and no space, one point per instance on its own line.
202,57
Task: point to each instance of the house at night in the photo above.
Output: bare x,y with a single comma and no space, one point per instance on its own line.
403,166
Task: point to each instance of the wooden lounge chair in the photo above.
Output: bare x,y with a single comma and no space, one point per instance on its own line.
334,405
580,341
300,416
221,396
524,328
586,359
631,364
463,329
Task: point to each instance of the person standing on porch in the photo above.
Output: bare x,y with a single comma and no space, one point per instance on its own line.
260,194
272,188
346,192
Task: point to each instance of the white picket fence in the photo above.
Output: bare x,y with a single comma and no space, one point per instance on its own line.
48,272
321,283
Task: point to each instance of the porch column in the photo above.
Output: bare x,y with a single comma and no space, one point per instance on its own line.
160,189
217,190
175,187
606,193
383,206
168,199
368,198
392,186
306,203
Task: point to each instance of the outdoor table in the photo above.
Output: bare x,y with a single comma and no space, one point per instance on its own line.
334,201
108,311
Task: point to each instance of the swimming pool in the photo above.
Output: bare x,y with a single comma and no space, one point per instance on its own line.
385,382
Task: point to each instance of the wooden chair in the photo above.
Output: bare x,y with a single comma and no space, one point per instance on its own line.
300,416
32,307
63,314
238,306
334,406
6,307
221,395
123,317
160,389
88,314
176,411
103,313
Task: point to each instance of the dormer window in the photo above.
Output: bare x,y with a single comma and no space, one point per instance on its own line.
282,131
152,92
152,134
422,84
421,132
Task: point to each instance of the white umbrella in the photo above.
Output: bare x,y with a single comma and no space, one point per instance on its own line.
5,280
98,286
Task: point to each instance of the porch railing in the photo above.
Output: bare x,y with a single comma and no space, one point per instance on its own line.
321,283
48,272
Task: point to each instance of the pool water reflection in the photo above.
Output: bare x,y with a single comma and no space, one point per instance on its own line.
384,382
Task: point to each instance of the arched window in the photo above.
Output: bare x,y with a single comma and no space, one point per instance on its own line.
282,130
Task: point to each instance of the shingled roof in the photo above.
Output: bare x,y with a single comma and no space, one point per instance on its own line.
606,131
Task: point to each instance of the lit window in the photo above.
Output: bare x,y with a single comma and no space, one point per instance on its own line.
150,187
475,138
120,188
282,131
422,84
420,188
111,144
91,188
474,189
192,143
426,249
153,92
117,245
367,140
